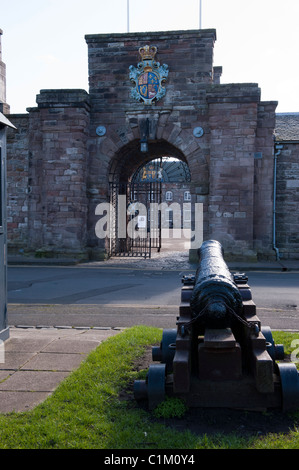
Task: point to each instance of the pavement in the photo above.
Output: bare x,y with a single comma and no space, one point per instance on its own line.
37,359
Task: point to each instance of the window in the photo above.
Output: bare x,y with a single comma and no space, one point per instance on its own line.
168,196
187,216
151,196
169,218
187,196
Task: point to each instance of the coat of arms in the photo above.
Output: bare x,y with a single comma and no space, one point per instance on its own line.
149,77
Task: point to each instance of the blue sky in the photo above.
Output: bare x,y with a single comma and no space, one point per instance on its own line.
43,43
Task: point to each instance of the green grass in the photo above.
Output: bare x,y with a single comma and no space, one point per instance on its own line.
86,412
286,338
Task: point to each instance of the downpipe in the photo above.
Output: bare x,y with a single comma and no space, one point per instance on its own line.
278,148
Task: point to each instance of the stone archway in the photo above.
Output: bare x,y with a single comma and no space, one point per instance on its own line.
152,191
129,158
121,161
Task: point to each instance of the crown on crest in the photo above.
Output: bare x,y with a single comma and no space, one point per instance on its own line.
147,52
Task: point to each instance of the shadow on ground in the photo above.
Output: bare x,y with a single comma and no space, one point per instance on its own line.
212,421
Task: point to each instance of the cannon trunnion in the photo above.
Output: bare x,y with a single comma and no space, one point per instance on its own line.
219,354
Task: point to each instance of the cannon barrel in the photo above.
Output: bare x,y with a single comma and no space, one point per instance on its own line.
215,298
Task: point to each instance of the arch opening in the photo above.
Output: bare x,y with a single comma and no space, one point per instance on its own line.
129,158
151,193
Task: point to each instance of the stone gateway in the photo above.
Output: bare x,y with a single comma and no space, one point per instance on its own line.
152,96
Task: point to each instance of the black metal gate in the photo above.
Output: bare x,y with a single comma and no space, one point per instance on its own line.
135,222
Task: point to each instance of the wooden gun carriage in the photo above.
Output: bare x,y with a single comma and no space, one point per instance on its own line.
219,354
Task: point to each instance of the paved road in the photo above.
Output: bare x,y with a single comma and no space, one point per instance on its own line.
110,295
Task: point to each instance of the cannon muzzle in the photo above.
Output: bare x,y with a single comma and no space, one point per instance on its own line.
216,298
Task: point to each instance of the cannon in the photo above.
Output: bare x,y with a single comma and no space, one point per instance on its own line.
219,354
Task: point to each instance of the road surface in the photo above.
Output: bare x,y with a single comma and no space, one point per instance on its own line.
110,296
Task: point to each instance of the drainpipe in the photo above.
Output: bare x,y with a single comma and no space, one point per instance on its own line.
277,152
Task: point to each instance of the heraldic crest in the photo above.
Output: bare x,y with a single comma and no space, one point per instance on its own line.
149,77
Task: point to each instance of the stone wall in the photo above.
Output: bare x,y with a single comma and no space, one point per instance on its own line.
263,180
233,123
47,174
287,201
18,162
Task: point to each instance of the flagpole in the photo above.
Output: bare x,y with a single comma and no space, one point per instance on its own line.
128,16
200,11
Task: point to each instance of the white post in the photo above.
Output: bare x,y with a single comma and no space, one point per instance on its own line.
128,16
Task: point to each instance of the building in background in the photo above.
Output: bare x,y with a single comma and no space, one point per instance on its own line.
152,97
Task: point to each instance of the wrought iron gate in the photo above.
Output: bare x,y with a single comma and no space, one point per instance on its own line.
135,225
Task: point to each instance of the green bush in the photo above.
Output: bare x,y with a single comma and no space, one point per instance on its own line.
171,408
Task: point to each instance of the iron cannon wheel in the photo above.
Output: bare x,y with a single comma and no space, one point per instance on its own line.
276,351
156,378
289,378
168,347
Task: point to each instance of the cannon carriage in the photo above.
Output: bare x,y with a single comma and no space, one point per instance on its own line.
219,354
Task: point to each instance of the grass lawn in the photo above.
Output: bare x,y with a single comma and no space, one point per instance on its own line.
85,411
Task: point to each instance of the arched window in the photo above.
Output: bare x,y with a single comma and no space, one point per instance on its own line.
163,170
169,196
187,196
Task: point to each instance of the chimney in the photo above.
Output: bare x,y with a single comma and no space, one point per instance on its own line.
4,108
217,72
1,32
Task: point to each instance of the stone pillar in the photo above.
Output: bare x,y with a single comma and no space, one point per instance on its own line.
17,183
287,200
263,180
233,123
58,133
217,72
4,328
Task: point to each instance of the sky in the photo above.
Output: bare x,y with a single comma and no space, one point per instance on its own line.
43,44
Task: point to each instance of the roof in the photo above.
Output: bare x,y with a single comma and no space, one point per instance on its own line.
5,122
287,126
